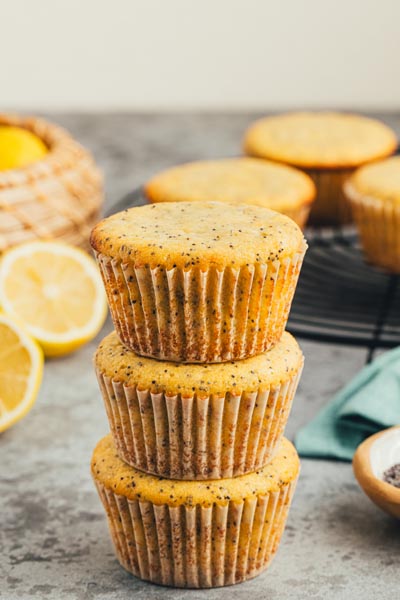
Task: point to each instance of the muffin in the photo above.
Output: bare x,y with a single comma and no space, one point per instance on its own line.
328,146
194,282
237,181
374,194
197,421
195,534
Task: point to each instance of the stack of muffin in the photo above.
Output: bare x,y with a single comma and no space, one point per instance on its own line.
198,380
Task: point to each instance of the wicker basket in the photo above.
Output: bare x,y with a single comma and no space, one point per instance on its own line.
60,196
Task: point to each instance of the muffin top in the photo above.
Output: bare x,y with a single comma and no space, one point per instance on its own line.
235,181
380,180
120,478
259,372
187,234
320,140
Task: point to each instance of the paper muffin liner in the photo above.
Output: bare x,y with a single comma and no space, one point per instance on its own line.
192,437
378,224
331,206
197,546
191,315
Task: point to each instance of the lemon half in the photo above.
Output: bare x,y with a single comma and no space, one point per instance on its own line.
21,369
56,291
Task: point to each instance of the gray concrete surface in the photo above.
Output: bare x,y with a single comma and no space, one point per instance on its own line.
54,542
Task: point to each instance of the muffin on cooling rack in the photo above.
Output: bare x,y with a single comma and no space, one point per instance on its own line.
374,195
328,146
58,193
195,534
199,282
236,181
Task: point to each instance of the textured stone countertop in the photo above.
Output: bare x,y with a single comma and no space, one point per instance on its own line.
54,542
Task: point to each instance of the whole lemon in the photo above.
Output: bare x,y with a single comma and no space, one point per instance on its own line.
19,147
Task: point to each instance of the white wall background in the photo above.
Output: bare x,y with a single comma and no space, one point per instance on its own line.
205,54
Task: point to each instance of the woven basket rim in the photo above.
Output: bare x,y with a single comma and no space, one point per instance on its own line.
63,150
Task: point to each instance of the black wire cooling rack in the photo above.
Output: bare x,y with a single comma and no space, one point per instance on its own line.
339,298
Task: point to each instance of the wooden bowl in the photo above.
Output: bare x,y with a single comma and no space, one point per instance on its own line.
59,196
376,454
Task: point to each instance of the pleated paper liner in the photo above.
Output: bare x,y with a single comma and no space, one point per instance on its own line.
61,192
192,437
196,546
378,224
200,316
331,206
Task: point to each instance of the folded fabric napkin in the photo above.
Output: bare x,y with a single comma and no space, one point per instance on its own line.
369,403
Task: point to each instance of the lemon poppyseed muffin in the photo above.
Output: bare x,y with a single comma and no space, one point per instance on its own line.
190,533
194,282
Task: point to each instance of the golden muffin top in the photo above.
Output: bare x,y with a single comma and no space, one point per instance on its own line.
320,139
379,180
279,364
120,478
187,234
235,181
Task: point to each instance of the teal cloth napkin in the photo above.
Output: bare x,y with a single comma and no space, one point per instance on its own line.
369,403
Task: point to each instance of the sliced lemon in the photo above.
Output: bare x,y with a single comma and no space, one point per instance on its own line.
56,291
21,369
19,147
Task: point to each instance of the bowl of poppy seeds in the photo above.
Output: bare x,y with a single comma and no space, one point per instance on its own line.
392,475
376,465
